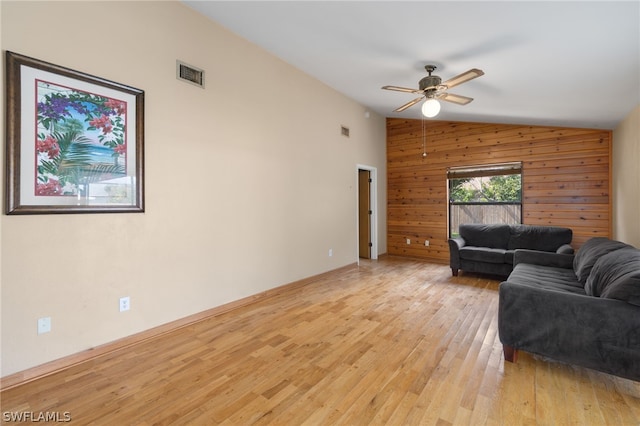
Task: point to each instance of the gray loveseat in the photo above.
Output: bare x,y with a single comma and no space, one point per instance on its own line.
489,249
582,309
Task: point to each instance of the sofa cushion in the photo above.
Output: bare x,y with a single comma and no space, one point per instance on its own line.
616,275
480,235
543,238
547,277
590,252
482,254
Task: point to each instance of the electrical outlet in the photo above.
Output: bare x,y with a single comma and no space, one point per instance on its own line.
44,325
330,252
125,304
426,243
408,241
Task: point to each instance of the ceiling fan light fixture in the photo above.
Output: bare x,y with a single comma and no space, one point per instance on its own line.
430,108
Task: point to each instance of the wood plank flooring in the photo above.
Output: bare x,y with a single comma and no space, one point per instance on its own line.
391,342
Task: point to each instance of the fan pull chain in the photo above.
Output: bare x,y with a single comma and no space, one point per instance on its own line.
424,140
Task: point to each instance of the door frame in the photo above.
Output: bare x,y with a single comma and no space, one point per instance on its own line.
373,202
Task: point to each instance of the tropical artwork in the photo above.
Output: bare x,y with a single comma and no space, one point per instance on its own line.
81,146
74,141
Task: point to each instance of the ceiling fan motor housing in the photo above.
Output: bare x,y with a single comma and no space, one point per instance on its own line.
432,81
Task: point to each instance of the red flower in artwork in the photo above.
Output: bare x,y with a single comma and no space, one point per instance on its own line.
118,106
52,187
103,122
49,145
120,149
100,122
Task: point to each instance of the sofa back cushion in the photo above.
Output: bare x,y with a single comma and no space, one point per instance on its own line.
616,275
589,254
542,238
481,235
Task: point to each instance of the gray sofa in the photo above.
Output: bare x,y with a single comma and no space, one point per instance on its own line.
489,249
582,309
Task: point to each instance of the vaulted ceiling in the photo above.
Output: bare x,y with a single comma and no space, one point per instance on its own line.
573,63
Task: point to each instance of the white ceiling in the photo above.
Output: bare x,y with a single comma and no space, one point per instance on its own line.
573,64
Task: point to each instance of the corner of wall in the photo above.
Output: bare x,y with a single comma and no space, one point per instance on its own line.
626,179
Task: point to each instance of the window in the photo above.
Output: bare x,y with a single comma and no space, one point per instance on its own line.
484,194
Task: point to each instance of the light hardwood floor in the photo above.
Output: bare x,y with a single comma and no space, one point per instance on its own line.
393,341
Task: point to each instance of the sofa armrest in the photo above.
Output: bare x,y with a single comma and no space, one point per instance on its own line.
565,249
459,242
543,258
455,244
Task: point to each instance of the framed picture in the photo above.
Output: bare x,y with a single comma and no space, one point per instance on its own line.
75,142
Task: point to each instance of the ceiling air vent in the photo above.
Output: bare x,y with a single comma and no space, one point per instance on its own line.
344,130
190,74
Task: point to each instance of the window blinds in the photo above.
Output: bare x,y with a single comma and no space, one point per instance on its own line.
484,170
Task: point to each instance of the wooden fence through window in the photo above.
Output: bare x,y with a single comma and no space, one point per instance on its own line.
460,213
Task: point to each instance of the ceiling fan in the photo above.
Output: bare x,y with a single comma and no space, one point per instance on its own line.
432,88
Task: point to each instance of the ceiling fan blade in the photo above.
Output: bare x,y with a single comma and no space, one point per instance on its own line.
402,89
408,104
463,78
456,99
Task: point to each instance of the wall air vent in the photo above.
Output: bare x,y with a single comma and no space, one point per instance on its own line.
190,74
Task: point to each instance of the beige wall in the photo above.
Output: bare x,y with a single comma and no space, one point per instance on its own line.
249,182
626,179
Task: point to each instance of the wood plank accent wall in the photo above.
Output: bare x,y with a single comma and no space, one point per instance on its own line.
566,178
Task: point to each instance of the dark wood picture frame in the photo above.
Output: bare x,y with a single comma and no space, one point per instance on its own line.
74,142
